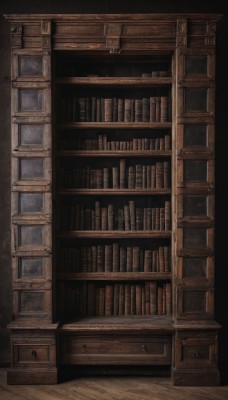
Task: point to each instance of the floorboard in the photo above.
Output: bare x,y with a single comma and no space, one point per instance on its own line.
110,388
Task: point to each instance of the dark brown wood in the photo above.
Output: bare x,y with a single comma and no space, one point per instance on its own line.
122,296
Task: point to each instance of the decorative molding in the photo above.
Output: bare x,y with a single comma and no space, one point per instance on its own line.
16,35
181,34
113,34
46,34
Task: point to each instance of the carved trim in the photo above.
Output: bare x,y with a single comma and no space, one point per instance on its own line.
182,30
210,33
16,35
113,34
46,33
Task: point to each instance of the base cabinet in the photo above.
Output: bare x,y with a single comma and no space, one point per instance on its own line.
34,356
196,358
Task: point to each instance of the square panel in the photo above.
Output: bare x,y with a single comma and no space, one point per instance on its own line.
30,65
195,99
195,206
31,203
195,303
195,270
31,235
30,100
34,304
30,267
31,168
31,135
36,266
31,302
195,135
195,171
196,64
194,238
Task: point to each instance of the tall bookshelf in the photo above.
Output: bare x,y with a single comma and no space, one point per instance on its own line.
113,196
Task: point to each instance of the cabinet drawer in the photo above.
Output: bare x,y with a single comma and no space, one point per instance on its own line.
196,353
33,354
113,350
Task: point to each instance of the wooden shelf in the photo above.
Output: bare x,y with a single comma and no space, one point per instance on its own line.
114,192
115,234
114,276
115,125
115,81
116,153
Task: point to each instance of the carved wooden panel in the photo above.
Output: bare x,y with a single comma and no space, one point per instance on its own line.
195,270
195,302
198,351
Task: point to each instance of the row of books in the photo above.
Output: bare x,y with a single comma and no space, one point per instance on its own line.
136,176
114,258
113,109
114,299
101,142
110,217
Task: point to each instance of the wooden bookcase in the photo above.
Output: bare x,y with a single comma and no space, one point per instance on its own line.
113,127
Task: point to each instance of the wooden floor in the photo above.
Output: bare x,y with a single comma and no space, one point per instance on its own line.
110,388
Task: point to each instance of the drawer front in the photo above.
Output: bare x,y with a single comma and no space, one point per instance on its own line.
33,354
126,350
196,353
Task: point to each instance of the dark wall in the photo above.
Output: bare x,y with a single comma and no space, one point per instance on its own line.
115,6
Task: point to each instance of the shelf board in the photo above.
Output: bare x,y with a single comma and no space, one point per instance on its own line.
116,153
136,81
114,192
115,234
114,276
153,323
115,125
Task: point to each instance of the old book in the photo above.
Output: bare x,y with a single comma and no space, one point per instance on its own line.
161,261
167,215
159,175
108,109
138,110
97,215
145,109
147,299
164,108
147,261
127,299
120,109
166,170
129,258
166,258
135,259
153,297
100,258
122,173
104,218
127,110
157,108
131,177
133,299
115,178
168,291
108,257
122,259
108,299
116,296
160,300
121,298
110,217
152,109
101,301
138,293
126,217
115,257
